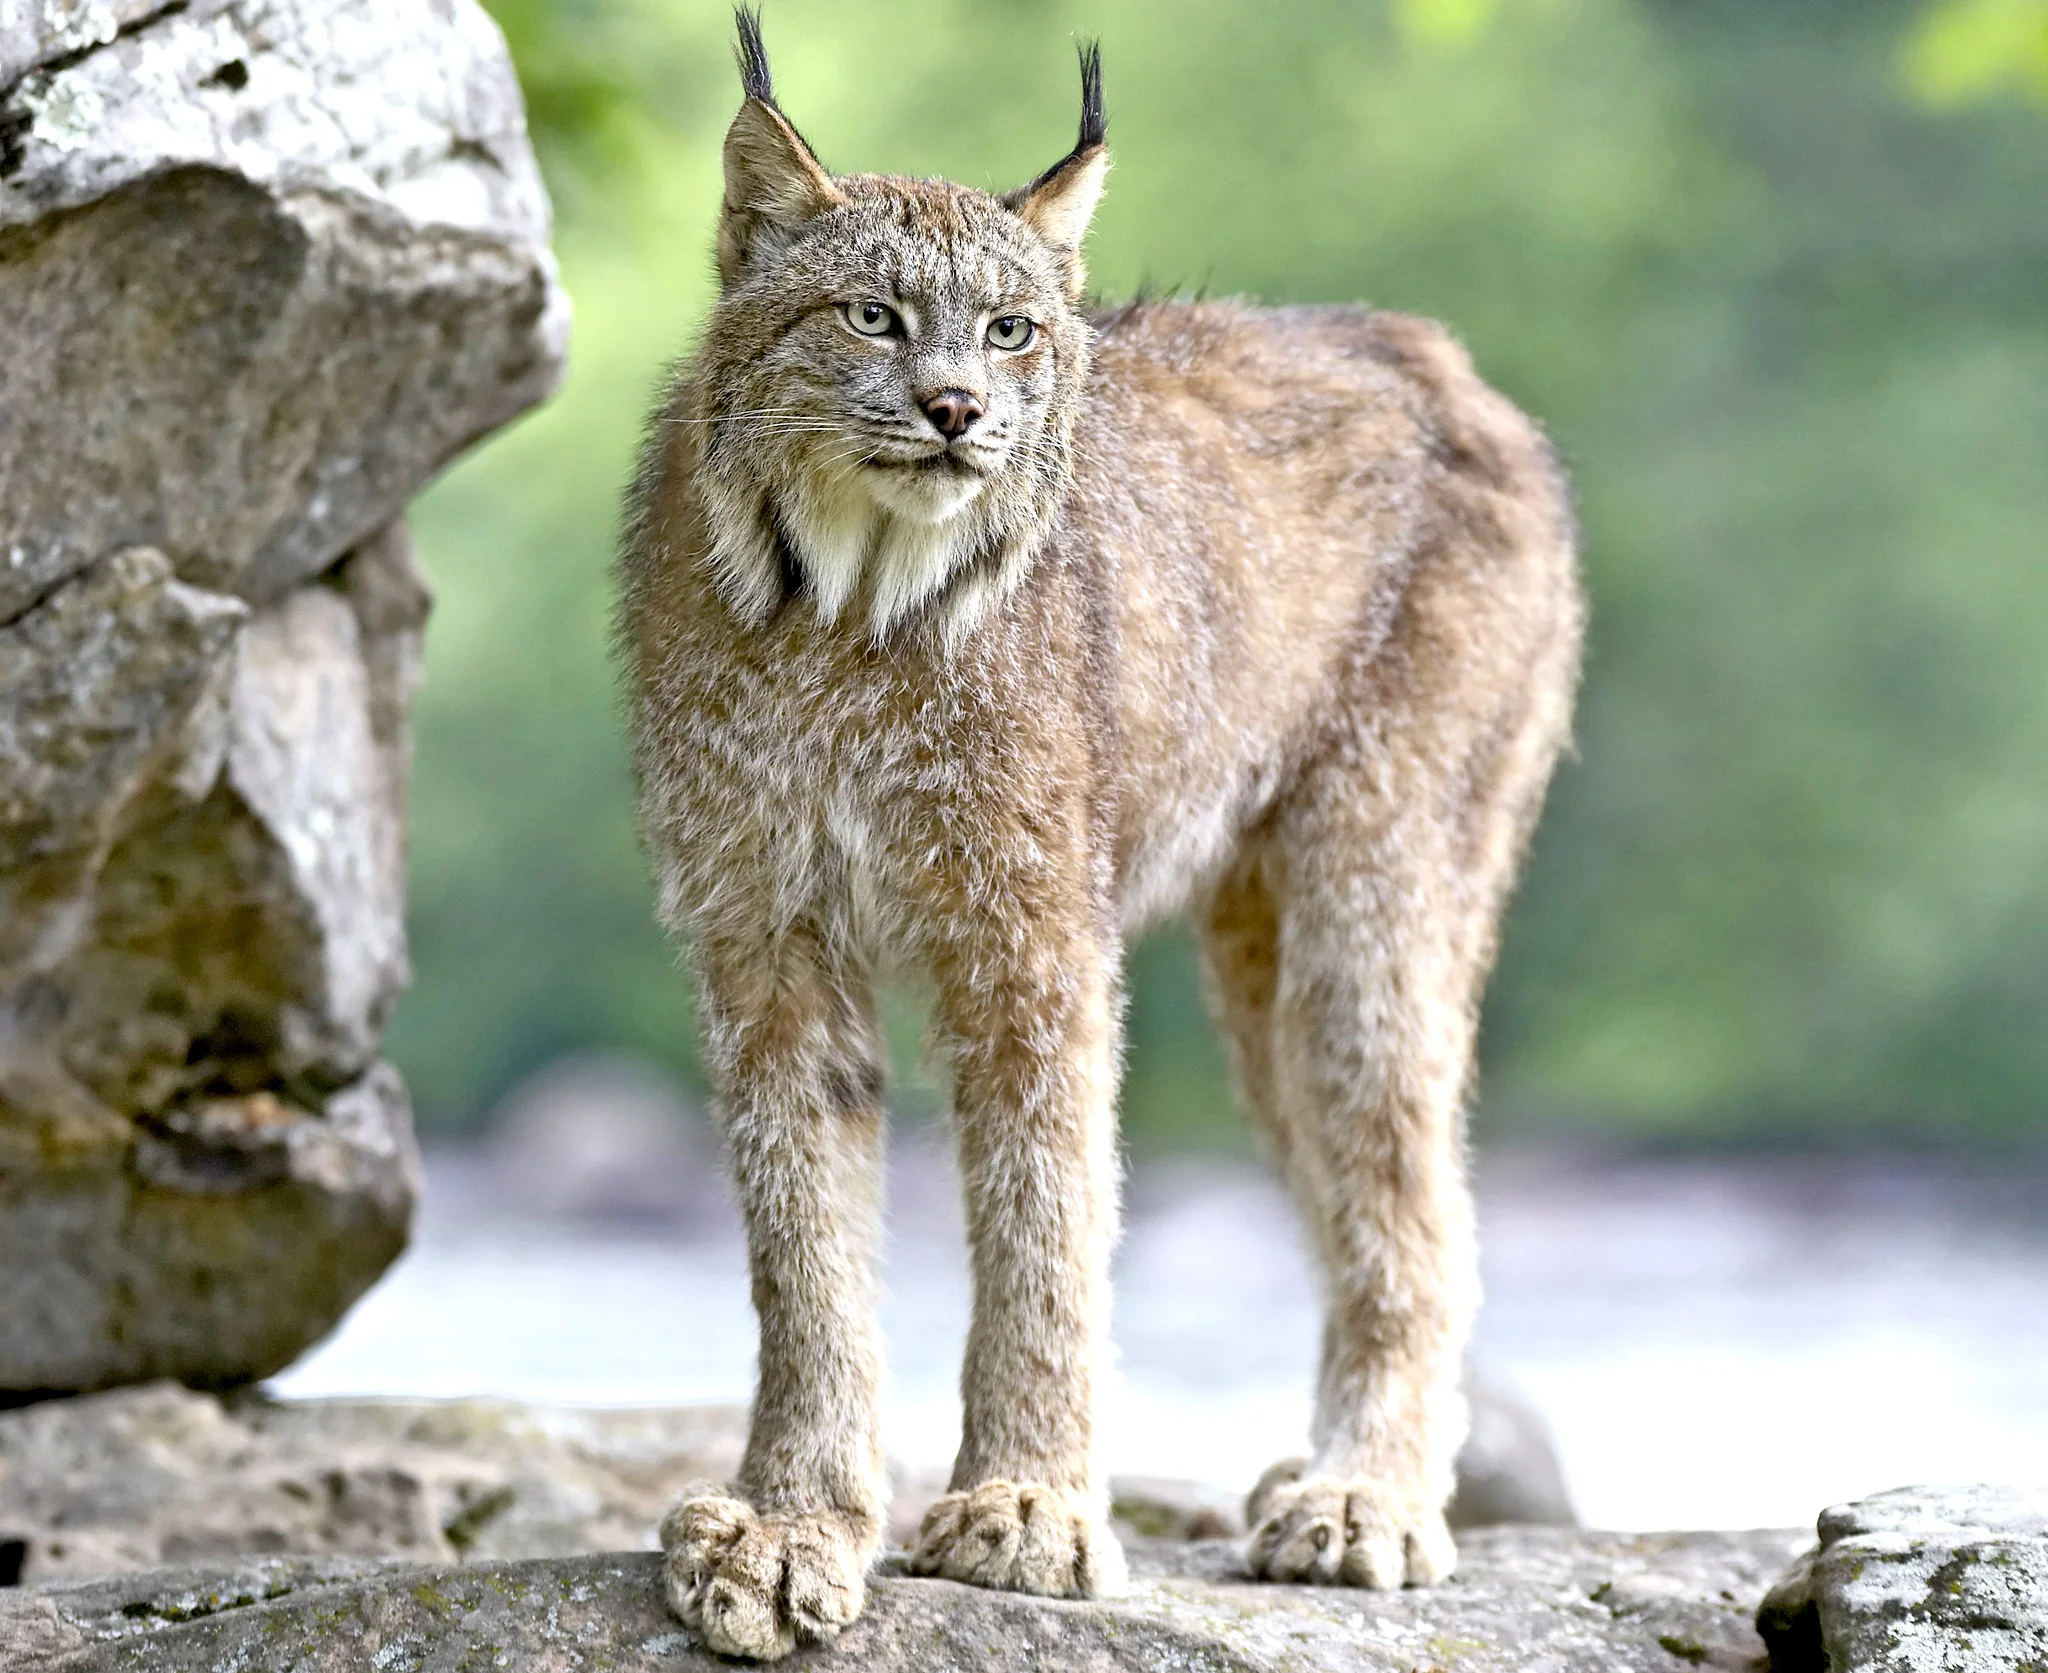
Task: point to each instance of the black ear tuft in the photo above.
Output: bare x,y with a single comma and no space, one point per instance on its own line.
753,56
1094,126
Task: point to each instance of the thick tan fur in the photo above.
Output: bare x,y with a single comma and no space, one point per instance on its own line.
1272,615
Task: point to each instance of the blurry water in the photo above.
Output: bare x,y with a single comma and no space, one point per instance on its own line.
1715,1344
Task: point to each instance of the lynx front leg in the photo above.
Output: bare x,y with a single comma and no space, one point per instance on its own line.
779,1559
1347,970
1033,1031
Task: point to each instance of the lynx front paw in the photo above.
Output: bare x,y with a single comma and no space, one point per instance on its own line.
758,1586
1335,1532
1015,1537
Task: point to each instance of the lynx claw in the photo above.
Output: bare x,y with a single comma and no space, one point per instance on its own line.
757,1586
1328,1531
1016,1537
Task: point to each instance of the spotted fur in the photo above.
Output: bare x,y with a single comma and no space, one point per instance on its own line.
1271,615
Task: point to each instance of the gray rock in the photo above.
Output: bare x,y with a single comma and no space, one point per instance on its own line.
34,33
214,1247
1157,1507
1534,1600
601,1137
119,681
1508,1470
1918,1580
202,835
138,1477
244,928
264,268
265,265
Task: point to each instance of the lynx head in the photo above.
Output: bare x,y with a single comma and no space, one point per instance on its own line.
888,386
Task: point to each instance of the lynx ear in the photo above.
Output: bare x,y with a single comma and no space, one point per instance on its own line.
773,181
1059,204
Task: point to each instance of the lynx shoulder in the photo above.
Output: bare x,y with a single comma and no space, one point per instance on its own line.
969,631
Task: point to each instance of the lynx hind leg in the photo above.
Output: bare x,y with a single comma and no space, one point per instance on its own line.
758,1585
1345,957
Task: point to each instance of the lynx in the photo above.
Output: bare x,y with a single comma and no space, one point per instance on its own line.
970,631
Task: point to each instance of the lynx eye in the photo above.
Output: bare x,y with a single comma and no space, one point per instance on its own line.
1012,332
872,319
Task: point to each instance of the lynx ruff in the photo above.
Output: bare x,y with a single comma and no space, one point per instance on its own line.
971,631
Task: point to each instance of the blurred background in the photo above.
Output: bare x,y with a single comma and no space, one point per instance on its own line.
1760,1134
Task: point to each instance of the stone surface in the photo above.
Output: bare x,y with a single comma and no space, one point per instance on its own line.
1158,1507
202,835
35,33
215,1246
1918,1580
265,265
1530,1600
138,1477
1508,1469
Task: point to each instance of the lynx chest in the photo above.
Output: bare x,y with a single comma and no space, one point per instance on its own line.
835,782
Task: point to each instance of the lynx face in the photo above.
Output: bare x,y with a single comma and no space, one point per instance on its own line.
889,383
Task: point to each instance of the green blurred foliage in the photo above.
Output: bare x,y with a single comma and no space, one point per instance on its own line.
1789,323
1964,50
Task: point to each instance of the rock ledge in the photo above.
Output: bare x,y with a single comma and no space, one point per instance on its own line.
1526,1600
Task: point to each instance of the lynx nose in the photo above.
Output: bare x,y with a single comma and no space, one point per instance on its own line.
951,411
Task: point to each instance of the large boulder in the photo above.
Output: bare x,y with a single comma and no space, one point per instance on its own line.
264,267
1917,1580
1525,1600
